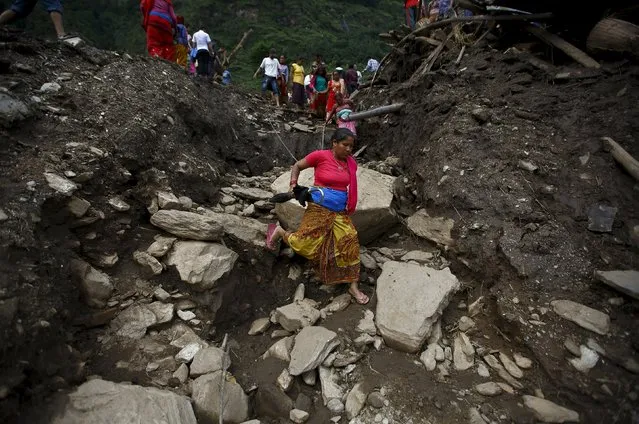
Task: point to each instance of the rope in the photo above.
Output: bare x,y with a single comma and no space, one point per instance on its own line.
282,141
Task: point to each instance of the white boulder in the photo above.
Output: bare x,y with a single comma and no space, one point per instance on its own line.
200,263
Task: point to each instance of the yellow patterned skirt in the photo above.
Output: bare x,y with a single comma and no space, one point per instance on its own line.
182,54
329,240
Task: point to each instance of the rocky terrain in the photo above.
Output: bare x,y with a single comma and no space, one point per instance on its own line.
499,246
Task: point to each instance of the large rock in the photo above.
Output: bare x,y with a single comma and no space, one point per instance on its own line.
60,184
188,225
355,400
252,193
434,229
208,360
331,389
588,318
207,391
95,285
201,264
625,281
312,346
12,110
373,216
99,401
411,299
133,322
549,412
247,230
297,315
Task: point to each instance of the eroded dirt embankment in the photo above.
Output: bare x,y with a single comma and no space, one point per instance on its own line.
126,128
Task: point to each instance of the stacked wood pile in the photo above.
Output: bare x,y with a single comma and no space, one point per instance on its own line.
413,55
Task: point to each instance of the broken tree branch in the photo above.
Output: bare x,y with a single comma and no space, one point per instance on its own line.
427,64
239,45
383,110
624,158
461,54
563,45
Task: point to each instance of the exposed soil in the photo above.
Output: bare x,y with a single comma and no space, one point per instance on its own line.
131,126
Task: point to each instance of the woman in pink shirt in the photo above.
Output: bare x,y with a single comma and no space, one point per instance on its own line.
326,235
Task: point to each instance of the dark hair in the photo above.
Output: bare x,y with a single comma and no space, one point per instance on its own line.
351,66
321,70
341,134
272,51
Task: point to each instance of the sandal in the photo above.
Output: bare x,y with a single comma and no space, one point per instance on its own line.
362,299
270,231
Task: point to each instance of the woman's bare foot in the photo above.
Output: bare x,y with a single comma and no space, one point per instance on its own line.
274,234
358,295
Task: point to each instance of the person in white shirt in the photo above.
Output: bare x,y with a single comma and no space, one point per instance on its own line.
270,67
204,46
372,65
307,87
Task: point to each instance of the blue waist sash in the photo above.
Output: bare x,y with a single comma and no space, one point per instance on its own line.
162,15
333,200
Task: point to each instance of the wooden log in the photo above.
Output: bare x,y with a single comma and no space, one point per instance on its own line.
563,45
629,163
615,35
382,110
427,41
427,64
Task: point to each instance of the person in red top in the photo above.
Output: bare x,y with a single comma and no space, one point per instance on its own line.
326,236
412,14
159,22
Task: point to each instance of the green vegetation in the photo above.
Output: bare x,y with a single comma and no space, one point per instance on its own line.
342,31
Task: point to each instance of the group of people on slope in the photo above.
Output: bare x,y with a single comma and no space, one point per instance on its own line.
431,10
167,36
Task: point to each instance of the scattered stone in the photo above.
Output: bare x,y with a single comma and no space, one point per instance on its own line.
331,390
588,318
428,357
3,215
374,215
501,371
119,205
148,261
475,308
285,380
259,326
299,292
312,346
207,391
376,400
297,315
463,353
346,359
248,211
188,352
572,347
188,225
481,115
50,87
367,324
152,366
133,322
199,263
185,315
78,207
160,246
226,200
411,299
549,412
626,282
12,110
355,401
299,416
522,361
95,285
338,304
527,166
209,360
185,304
182,373
276,334
310,377
506,388
364,340
104,260
161,294
465,323
163,311
601,218
418,256
99,401
281,349
587,360
60,184
510,366
335,405
616,301
168,200
474,417
482,370
185,202
368,261
489,389
434,229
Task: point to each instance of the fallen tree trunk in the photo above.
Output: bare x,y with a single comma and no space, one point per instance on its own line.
383,110
227,59
624,158
563,45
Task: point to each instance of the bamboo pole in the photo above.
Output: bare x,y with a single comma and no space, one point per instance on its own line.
383,110
624,158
